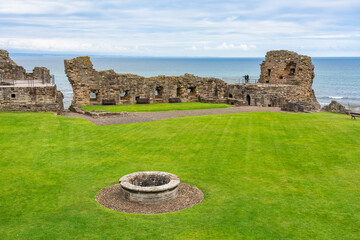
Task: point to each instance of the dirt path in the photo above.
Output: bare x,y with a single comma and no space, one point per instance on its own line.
155,116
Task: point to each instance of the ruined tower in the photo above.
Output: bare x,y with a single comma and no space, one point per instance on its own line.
22,91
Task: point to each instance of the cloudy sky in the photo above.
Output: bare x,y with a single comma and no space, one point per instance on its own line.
240,28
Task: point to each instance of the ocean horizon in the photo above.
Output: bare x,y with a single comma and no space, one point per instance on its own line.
336,78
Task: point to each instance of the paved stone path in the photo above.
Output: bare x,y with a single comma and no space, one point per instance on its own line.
155,116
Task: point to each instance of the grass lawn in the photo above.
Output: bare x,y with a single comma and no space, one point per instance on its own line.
156,107
264,176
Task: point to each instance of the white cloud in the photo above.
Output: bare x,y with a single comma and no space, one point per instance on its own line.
43,7
168,28
226,46
63,45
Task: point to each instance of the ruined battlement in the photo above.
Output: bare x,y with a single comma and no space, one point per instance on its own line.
9,70
92,87
286,67
285,77
22,91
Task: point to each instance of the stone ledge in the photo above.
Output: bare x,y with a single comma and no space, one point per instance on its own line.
99,114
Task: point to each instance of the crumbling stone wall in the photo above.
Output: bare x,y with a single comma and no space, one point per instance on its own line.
286,67
91,87
292,73
11,71
19,95
33,99
290,79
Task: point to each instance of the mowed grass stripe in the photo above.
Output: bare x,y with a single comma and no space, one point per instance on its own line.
264,176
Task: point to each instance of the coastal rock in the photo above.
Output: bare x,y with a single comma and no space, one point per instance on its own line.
299,107
336,107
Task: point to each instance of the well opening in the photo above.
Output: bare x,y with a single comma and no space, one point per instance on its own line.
149,180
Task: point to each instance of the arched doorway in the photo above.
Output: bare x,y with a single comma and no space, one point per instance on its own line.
248,100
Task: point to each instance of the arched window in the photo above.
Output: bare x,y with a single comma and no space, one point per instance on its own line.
159,92
124,95
191,91
92,95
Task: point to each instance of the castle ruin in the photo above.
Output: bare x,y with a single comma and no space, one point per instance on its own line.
285,81
22,91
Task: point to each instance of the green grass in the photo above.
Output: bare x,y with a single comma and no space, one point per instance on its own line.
156,107
264,176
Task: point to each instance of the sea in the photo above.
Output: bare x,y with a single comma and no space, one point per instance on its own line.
335,78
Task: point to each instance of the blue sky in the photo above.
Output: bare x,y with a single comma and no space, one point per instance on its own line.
181,28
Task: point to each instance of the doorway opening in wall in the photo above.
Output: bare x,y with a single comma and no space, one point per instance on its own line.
159,92
178,92
269,72
292,71
191,91
230,95
248,100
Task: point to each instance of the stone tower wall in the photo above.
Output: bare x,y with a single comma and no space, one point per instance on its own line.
286,67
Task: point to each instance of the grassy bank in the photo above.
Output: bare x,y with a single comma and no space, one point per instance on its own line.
264,176
156,107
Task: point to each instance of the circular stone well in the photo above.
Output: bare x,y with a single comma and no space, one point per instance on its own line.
149,187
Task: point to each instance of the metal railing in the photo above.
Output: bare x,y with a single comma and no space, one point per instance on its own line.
241,80
26,82
6,82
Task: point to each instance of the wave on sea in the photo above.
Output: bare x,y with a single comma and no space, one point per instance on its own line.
338,97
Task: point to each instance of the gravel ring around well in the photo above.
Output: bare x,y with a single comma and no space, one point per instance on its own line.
188,196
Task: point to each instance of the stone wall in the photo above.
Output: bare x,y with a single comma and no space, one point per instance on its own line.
290,79
9,70
34,99
286,67
36,94
91,87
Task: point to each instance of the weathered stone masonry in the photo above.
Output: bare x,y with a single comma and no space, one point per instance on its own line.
22,91
285,77
91,87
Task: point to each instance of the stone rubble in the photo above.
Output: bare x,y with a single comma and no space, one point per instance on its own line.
99,113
